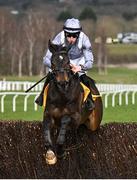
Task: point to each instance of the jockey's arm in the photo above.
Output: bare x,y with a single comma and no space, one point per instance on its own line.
88,55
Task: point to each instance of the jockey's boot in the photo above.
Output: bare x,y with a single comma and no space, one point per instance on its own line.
39,99
90,105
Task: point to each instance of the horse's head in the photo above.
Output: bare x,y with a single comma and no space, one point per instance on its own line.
60,63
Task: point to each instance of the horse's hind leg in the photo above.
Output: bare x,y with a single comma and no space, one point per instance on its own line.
95,117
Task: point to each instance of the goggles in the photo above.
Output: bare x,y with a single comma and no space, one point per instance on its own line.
74,35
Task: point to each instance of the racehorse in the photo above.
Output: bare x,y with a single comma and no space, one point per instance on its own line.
64,104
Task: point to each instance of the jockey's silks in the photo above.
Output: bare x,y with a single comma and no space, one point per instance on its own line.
85,88
79,54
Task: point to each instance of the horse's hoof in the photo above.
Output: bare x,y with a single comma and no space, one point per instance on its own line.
50,157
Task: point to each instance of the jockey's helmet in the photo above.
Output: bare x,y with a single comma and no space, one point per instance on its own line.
72,26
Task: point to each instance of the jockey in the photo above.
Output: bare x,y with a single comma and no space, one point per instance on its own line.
80,54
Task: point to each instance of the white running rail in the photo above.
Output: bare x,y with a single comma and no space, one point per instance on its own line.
15,96
122,98
24,85
19,86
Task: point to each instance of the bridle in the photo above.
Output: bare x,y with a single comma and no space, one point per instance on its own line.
59,72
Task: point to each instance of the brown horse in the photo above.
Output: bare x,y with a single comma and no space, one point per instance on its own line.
64,105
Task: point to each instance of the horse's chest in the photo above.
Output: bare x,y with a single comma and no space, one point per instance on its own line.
59,112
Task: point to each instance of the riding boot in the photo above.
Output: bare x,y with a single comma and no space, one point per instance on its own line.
90,105
39,99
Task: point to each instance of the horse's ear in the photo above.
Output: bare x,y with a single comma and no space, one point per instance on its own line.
66,48
52,47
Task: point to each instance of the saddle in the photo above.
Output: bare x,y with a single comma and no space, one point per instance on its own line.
86,91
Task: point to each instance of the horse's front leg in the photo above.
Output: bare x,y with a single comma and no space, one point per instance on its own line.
65,120
47,134
50,155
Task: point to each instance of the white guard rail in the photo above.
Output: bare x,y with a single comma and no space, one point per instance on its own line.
122,96
15,95
19,86
24,85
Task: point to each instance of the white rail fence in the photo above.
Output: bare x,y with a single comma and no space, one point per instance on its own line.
24,85
116,92
19,86
15,95
120,97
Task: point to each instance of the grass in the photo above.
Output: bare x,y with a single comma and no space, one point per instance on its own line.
118,75
120,113
125,113
114,75
30,114
23,78
122,49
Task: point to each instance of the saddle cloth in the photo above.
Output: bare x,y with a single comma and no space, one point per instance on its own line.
85,89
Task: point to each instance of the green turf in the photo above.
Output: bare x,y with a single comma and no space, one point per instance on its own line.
23,78
122,49
115,75
30,114
120,113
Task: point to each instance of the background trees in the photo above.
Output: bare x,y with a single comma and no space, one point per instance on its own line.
24,35
88,13
23,42
64,15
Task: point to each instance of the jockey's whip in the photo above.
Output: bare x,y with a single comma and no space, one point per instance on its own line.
35,84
